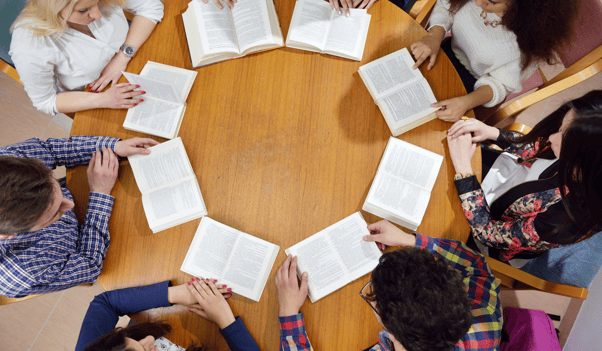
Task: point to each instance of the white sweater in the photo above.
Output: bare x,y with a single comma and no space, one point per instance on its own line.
490,54
72,57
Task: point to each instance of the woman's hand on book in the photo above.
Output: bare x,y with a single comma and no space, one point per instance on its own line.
120,95
461,150
451,110
479,130
179,294
363,4
230,3
291,296
347,4
386,234
133,146
214,306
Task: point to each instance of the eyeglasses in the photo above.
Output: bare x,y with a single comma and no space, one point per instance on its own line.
365,291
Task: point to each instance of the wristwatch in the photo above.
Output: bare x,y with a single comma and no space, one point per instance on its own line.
127,50
459,176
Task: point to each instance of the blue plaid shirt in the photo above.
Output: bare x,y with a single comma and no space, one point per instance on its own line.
63,254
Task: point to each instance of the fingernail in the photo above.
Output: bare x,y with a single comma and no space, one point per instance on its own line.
189,310
198,279
188,283
205,279
215,280
339,12
228,295
347,15
137,86
229,289
223,286
144,92
141,100
135,104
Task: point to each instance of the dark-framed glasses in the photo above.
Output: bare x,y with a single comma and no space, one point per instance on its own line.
366,293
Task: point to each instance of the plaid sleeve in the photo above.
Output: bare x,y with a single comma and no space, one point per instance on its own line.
482,287
60,152
85,265
293,336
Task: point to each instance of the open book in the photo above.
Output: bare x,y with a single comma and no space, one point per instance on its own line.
315,26
402,94
336,256
237,259
403,183
169,187
216,35
164,104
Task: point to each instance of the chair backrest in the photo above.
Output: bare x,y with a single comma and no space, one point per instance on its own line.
587,32
575,264
8,300
9,10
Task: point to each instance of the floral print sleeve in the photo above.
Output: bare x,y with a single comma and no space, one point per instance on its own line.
522,150
515,231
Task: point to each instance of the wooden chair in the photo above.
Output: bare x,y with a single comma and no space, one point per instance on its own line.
8,300
421,11
10,71
585,68
515,279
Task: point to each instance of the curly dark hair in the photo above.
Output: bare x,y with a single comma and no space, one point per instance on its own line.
26,191
541,26
421,300
115,340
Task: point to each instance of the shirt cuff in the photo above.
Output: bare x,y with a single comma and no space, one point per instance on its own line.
100,204
107,142
499,90
292,325
466,185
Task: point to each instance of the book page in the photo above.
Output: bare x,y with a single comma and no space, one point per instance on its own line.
180,78
396,196
155,117
166,164
252,23
154,88
410,163
318,258
249,266
345,35
310,22
172,202
210,249
408,103
359,257
216,28
389,72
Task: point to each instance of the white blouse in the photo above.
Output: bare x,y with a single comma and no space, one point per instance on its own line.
490,54
73,58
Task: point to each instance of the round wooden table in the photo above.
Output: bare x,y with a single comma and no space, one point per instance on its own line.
284,143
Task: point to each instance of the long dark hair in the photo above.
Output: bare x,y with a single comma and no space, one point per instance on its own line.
541,26
115,340
579,161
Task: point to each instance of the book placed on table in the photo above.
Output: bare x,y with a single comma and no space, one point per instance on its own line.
335,256
402,187
402,94
239,260
216,35
170,191
315,26
164,104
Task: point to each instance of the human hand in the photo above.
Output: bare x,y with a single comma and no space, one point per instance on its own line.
102,171
461,150
452,109
134,146
363,4
179,295
291,296
386,234
426,48
479,130
230,3
347,4
120,96
111,73
214,306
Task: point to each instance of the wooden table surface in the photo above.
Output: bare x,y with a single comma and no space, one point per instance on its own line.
284,143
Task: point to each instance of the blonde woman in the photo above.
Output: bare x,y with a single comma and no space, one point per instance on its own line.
61,46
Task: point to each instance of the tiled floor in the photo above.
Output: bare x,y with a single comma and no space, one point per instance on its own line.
51,322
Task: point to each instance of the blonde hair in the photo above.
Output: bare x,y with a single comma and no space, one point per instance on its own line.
43,17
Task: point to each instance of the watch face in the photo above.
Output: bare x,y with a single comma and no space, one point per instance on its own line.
129,50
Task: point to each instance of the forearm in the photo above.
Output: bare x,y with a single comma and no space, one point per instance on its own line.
140,30
437,33
74,101
478,97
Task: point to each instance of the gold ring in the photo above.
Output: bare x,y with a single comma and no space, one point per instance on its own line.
464,118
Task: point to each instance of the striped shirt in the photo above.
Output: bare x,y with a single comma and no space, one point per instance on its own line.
64,254
483,294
